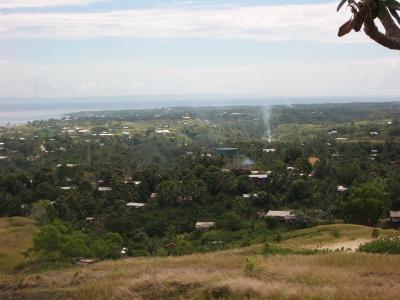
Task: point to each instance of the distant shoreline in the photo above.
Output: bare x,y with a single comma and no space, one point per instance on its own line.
19,111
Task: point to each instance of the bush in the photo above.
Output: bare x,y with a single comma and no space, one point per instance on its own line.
250,264
375,233
270,249
272,223
57,241
232,222
335,232
382,246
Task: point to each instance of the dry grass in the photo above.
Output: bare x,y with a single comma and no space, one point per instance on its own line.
15,237
333,234
220,275
223,275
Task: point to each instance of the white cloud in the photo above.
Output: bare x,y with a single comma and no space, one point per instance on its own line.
353,78
312,22
14,4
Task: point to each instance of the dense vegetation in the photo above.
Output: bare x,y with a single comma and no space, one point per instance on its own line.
76,176
382,246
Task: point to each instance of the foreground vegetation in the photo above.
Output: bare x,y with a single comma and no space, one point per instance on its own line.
254,272
15,237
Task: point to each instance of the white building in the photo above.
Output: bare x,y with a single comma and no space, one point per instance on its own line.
341,188
105,188
269,150
281,215
135,204
204,225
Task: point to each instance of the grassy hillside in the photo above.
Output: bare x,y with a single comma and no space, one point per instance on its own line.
15,237
233,274
327,235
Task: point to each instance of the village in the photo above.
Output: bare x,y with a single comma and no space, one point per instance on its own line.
181,181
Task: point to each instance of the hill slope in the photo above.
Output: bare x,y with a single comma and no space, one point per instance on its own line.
15,237
233,274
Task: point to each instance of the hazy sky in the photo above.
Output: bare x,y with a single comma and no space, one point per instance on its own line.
62,48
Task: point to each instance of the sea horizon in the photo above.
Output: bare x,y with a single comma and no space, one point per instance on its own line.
18,111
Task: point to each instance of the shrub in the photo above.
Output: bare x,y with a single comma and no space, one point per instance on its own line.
232,222
335,232
375,233
270,249
250,264
272,223
278,237
382,246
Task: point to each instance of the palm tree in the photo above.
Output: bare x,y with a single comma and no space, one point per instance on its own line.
366,13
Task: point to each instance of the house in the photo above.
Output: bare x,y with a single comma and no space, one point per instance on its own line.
341,188
313,160
184,199
87,262
395,216
135,204
374,133
3,157
153,195
248,196
84,131
105,188
269,150
281,215
227,151
106,134
163,131
204,225
67,188
259,175
258,172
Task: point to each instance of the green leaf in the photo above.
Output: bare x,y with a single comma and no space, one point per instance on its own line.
341,4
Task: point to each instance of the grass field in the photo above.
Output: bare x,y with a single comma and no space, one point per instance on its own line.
332,234
15,237
232,274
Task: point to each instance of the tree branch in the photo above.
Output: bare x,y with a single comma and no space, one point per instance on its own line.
391,38
391,28
373,32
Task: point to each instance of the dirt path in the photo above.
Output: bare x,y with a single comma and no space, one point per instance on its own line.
350,246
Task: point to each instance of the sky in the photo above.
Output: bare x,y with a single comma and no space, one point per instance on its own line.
85,48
